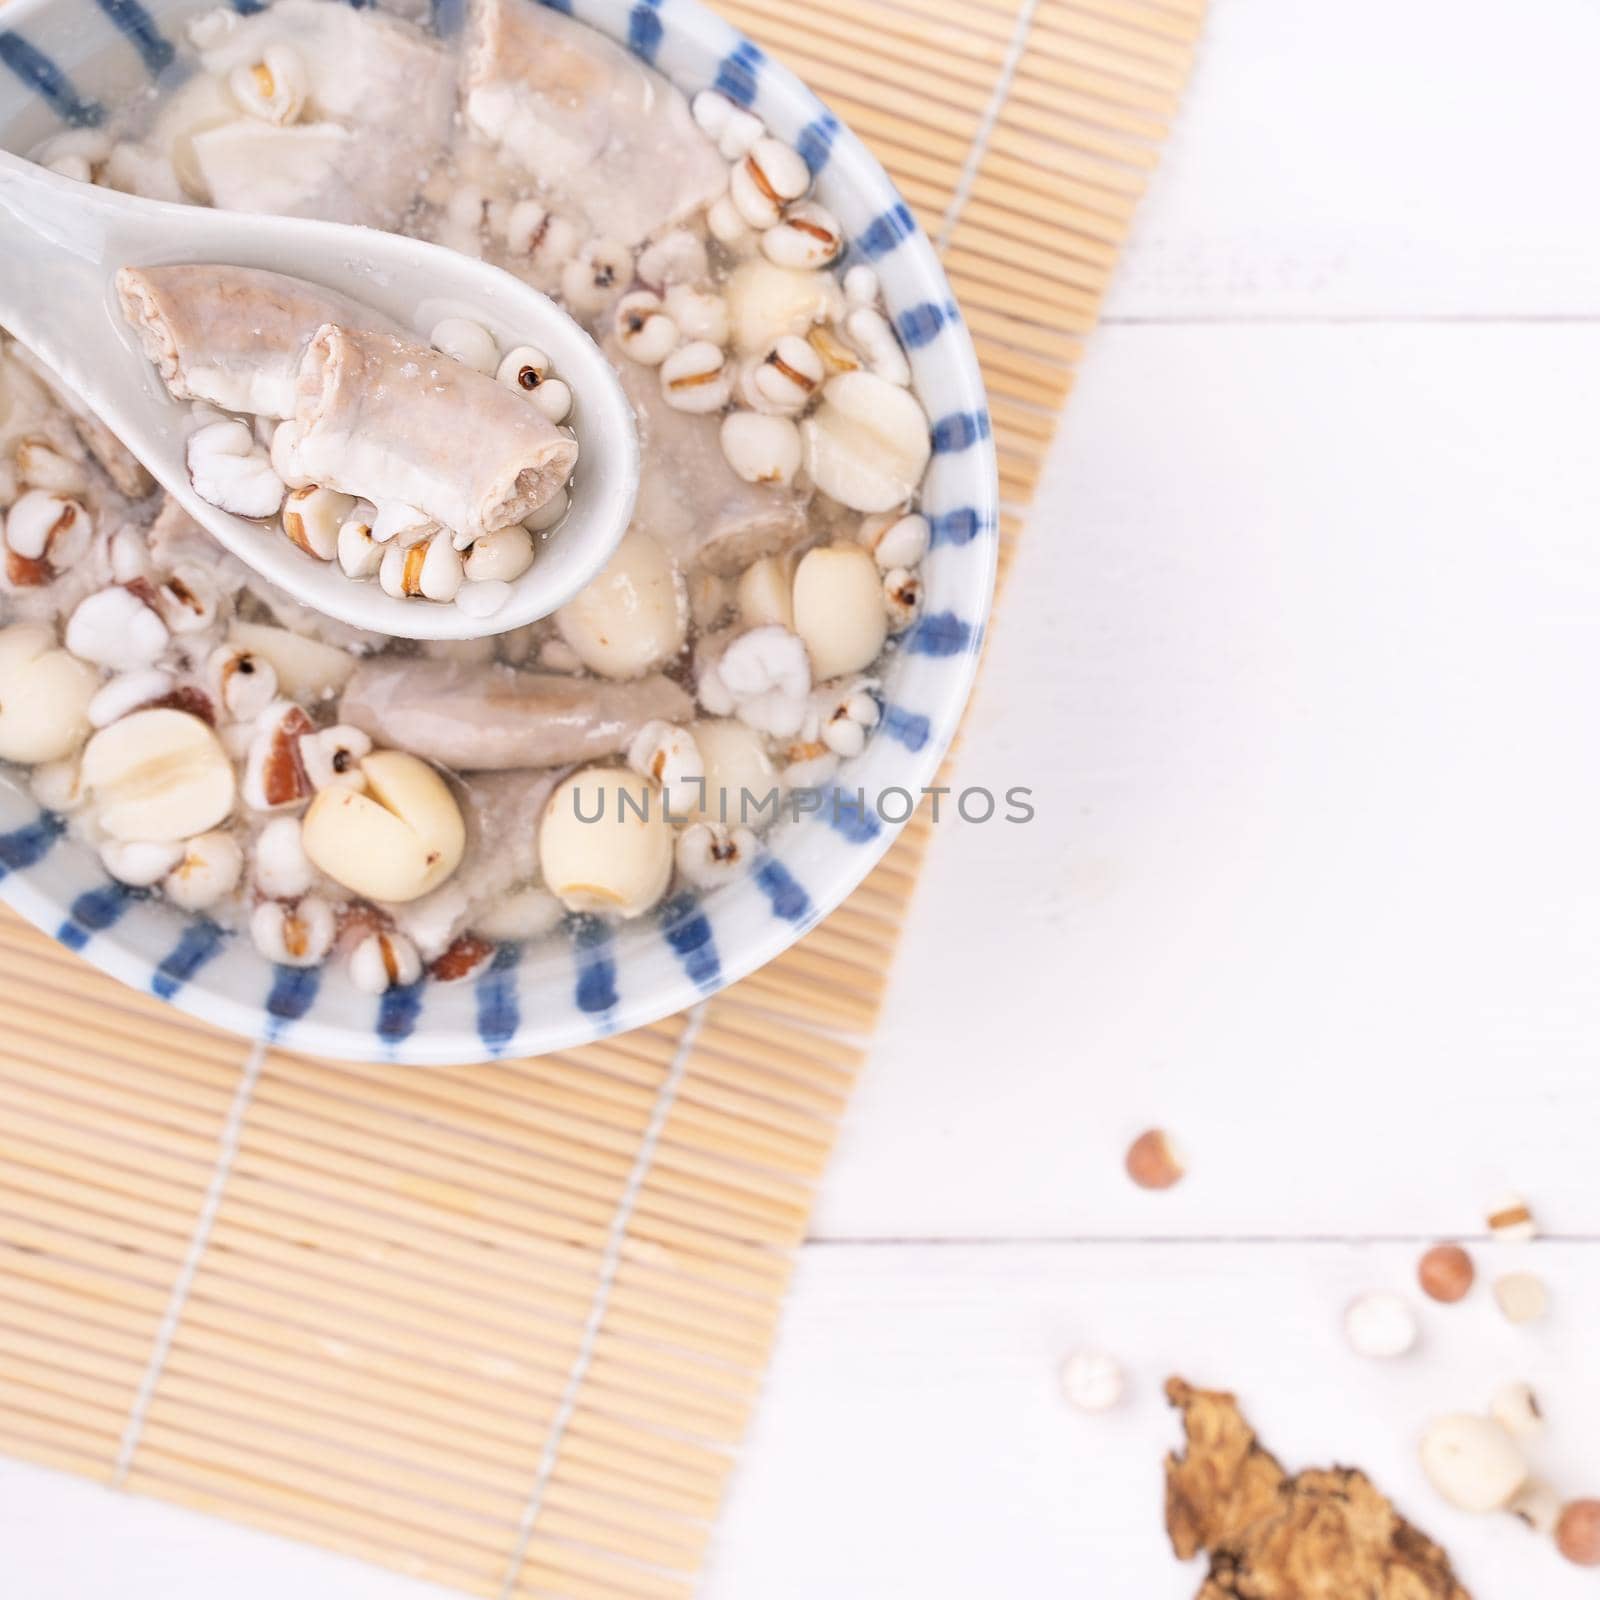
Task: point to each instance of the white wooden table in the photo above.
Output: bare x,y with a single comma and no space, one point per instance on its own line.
1302,656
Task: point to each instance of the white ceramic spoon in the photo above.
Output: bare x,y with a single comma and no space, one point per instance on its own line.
63,243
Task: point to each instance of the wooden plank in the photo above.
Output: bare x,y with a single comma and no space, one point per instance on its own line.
1297,658
1417,206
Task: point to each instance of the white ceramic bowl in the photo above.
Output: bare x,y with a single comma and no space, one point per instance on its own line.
59,60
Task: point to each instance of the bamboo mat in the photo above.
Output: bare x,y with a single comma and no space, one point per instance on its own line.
503,1327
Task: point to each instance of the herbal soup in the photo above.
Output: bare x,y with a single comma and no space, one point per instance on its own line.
341,795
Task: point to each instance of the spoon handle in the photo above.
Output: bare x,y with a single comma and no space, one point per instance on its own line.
53,270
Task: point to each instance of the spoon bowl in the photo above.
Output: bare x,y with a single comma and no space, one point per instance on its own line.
65,241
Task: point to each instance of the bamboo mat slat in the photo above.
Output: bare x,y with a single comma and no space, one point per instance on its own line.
452,1322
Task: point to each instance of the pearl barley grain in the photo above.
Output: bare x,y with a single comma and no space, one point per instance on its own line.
280,870
549,514
312,518
761,449
504,554
1538,1506
1516,1408
1380,1326
49,528
359,554
523,369
466,341
1091,1381
786,379
299,935
115,628
383,961
896,540
1511,1220
210,869
770,176
138,864
808,237
694,378
554,399
644,331
483,599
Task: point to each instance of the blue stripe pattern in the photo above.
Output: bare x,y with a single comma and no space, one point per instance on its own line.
688,931
499,1013
885,233
293,991
788,899
199,942
398,1011
815,143
138,26
596,993
41,74
959,431
958,527
941,633
27,846
563,6
850,816
448,16
644,30
921,325
93,912
737,74
909,728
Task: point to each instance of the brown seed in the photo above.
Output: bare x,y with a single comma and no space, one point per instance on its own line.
283,774
23,572
462,959
1151,1161
196,702
1446,1273
1578,1533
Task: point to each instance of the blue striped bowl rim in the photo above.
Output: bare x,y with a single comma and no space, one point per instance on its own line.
61,63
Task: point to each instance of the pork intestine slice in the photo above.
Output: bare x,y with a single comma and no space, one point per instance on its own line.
690,499
382,98
493,719
232,336
611,142
387,418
